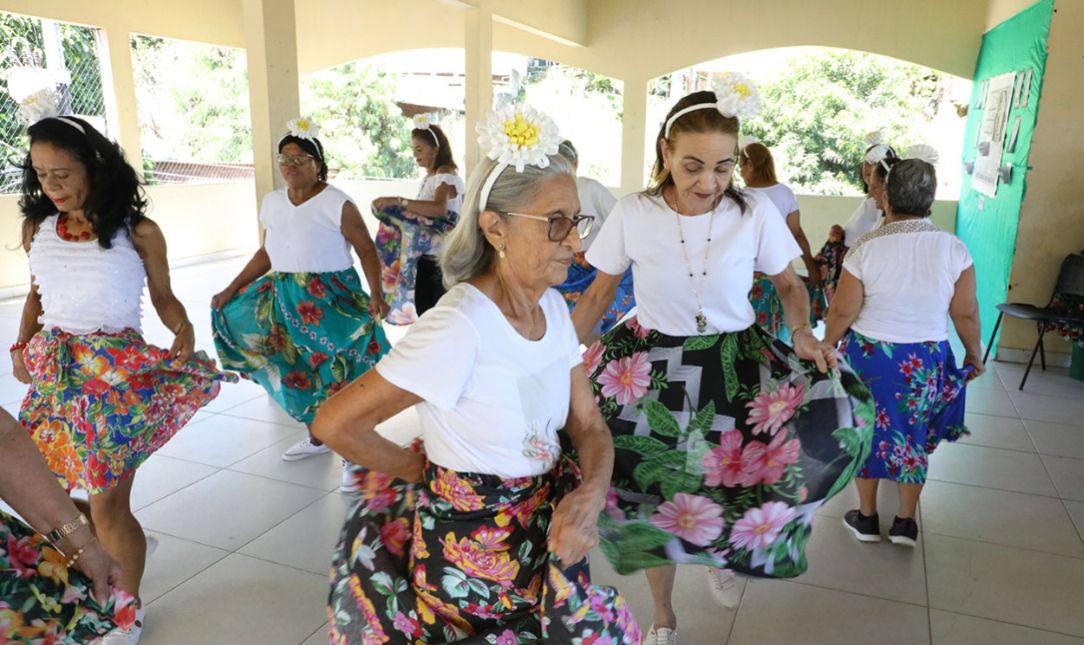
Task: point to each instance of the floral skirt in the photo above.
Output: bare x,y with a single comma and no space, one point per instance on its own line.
43,601
302,336
920,396
725,446
830,261
462,558
100,404
400,241
769,308
581,275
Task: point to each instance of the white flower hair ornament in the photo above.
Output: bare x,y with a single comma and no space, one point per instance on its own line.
519,136
924,152
34,89
303,127
877,153
875,137
735,97
426,122
746,140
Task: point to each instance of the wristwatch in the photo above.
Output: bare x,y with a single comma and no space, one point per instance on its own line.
64,530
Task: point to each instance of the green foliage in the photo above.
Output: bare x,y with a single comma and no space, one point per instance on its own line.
361,127
816,115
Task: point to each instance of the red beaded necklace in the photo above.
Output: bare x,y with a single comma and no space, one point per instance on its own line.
62,229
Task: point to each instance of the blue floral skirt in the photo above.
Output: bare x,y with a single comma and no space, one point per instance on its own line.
400,242
462,557
302,336
769,308
920,398
581,275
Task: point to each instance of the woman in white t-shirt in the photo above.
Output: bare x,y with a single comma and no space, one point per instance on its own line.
485,535
296,320
598,201
726,443
758,172
900,285
411,230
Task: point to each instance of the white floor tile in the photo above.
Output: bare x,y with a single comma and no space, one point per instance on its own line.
954,629
233,394
264,409
1048,408
220,440
1057,439
989,401
323,472
1076,511
318,638
173,562
161,476
1068,476
1003,583
978,466
307,539
997,432
227,510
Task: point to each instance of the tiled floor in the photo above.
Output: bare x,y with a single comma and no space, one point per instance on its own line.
246,538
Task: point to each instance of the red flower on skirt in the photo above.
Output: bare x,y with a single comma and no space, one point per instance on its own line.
374,347
316,359
297,380
316,288
309,312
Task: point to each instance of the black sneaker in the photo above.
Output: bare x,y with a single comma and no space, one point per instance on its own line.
865,529
904,531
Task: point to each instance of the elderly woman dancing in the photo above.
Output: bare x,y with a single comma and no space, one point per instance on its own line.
483,537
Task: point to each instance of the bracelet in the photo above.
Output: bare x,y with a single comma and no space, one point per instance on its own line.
15,347
64,530
75,558
794,332
181,327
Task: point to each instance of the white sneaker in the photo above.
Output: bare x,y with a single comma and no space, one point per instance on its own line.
349,483
725,587
304,449
661,636
128,636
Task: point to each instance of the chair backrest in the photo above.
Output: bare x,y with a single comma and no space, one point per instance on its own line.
1071,277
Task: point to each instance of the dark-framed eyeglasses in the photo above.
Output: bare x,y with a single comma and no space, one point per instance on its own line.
292,160
560,226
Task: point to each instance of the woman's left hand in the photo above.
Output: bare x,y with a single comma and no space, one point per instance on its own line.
378,305
807,347
380,203
184,345
574,529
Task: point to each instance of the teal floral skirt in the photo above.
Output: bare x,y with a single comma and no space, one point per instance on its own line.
725,446
462,558
42,601
302,336
920,396
769,309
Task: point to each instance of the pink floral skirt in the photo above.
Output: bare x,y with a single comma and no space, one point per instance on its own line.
725,446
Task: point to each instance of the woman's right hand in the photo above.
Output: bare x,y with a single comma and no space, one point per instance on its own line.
21,374
219,300
975,363
101,568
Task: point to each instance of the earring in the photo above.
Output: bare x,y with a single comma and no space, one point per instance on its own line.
501,254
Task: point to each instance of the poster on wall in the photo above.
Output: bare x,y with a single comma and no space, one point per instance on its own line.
991,141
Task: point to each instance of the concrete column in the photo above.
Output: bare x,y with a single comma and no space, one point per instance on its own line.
478,48
121,112
634,158
273,82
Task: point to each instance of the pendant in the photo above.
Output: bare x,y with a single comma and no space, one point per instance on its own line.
701,322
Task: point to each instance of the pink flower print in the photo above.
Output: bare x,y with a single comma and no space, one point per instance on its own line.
507,637
627,378
882,418
723,465
407,625
593,356
766,463
770,410
760,527
638,330
612,507
695,519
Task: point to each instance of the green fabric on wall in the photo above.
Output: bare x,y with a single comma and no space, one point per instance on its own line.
988,225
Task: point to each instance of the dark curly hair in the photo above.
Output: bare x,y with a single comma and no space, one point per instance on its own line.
706,120
115,196
444,149
311,146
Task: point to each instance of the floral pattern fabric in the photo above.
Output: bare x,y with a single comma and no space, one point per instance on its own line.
400,241
302,336
580,276
830,261
43,602
769,308
1070,305
463,558
725,446
100,404
920,398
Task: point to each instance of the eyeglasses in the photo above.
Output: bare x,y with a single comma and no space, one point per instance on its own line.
561,226
288,160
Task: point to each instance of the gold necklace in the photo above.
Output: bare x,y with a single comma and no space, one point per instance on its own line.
701,319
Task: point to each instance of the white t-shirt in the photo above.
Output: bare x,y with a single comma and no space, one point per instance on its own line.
643,231
865,218
597,200
306,238
491,406
908,271
780,195
428,190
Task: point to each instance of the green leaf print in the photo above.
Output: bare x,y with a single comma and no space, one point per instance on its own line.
480,588
675,482
263,309
647,446
659,419
642,536
653,470
338,368
702,420
382,582
728,354
524,551
699,343
753,347
626,562
289,350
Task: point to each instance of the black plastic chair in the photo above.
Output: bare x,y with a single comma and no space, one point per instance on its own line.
1070,283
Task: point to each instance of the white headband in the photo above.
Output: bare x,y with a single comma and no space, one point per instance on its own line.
425,122
73,123
737,97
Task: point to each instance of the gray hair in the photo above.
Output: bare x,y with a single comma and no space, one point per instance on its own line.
910,187
466,252
568,151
